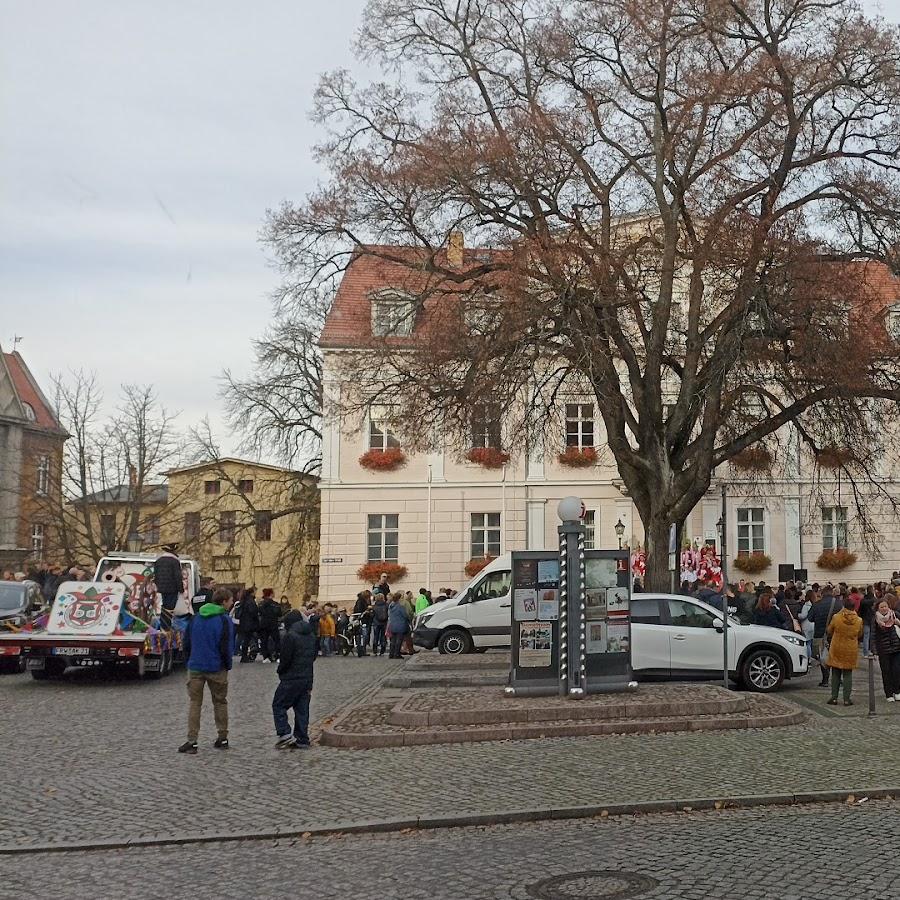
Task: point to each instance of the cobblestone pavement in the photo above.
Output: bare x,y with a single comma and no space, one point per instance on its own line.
95,760
833,852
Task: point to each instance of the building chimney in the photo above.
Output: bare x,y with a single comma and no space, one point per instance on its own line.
455,246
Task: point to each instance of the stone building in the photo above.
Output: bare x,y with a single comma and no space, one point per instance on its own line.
31,448
440,510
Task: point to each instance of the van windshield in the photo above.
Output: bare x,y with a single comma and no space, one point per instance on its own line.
496,584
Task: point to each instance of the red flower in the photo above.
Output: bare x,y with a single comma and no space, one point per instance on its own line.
578,457
371,572
476,564
383,460
489,457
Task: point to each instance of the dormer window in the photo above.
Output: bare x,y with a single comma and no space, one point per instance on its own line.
29,411
393,315
892,320
481,316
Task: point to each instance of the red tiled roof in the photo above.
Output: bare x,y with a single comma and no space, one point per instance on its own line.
28,391
349,322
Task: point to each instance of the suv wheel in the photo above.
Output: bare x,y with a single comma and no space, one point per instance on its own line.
454,641
763,671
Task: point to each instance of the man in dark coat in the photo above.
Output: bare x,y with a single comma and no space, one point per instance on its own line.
269,614
169,582
249,624
295,669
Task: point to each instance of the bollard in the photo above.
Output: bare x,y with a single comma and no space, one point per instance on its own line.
871,687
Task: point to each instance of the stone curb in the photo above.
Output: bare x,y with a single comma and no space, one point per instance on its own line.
384,826
420,680
349,740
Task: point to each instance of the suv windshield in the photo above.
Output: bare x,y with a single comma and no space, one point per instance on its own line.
12,596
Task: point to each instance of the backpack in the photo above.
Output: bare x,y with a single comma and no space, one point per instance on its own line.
380,612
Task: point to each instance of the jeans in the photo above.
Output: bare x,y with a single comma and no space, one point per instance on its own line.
396,642
169,602
890,673
292,693
867,636
218,688
839,677
326,646
362,638
379,639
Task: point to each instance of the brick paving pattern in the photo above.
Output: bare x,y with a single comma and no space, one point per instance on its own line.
95,760
824,851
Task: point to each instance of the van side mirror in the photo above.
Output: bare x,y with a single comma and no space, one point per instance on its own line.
719,625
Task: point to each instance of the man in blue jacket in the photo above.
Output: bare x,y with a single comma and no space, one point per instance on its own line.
209,648
295,669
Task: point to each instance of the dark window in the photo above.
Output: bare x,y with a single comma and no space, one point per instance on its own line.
580,425
152,535
485,535
486,425
192,526
108,531
383,537
245,485
688,615
264,525
645,612
212,487
227,526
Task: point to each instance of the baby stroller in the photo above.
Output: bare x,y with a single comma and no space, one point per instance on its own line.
347,634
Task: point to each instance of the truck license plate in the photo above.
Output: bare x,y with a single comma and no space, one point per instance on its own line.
71,651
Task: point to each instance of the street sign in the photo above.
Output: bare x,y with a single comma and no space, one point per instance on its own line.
332,559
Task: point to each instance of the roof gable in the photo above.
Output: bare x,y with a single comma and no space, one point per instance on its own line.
20,396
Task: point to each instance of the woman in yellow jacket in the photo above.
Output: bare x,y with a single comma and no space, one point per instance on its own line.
845,630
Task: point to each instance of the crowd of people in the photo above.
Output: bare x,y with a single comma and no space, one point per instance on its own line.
839,622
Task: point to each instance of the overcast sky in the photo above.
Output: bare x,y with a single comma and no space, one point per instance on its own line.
141,143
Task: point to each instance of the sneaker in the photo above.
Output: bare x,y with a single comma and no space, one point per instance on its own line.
285,743
897,696
221,744
300,745
891,699
832,702
848,703
267,660
188,747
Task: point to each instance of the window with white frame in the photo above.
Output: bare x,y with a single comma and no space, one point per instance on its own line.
834,527
381,436
485,535
482,316
486,425
383,535
751,530
393,315
590,525
37,541
580,425
892,320
43,475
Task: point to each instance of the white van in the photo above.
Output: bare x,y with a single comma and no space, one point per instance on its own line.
671,636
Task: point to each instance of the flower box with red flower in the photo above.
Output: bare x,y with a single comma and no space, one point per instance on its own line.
836,560
488,457
833,457
476,564
752,563
383,460
371,572
753,459
578,457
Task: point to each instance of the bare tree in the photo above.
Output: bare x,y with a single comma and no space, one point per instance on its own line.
279,406
685,196
108,465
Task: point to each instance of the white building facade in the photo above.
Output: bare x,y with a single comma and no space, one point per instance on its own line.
439,511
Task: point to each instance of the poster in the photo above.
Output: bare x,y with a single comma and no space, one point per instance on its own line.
595,603
548,604
526,574
596,637
86,608
535,645
525,604
600,573
617,600
617,637
548,573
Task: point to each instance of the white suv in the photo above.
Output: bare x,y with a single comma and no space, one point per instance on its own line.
671,636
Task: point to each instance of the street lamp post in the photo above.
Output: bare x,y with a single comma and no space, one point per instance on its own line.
720,525
135,542
620,530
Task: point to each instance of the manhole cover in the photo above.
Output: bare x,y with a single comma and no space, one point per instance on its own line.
600,884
